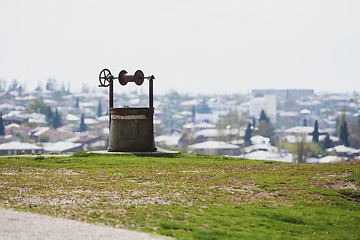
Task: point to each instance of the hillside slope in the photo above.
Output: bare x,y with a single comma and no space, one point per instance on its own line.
190,196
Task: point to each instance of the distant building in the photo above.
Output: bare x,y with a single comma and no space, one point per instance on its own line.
266,103
192,127
14,119
344,151
14,128
52,135
217,109
221,109
18,147
90,140
63,147
169,140
215,148
284,93
208,117
259,140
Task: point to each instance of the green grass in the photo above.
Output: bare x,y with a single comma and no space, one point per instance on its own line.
190,196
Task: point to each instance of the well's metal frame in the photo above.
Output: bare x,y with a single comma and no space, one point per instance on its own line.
106,79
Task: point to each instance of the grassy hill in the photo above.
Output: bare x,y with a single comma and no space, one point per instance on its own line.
190,196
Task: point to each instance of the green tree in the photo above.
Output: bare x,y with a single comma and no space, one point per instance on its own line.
203,107
248,134
57,120
38,88
340,121
327,143
85,88
13,85
193,114
63,91
315,133
344,135
336,126
57,95
265,127
44,138
68,89
314,150
341,128
82,124
305,122
20,90
263,116
49,115
51,84
19,135
99,110
232,119
173,96
37,106
300,149
229,124
77,102
30,124
354,134
2,85
2,128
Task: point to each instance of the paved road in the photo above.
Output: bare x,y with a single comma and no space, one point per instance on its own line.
27,226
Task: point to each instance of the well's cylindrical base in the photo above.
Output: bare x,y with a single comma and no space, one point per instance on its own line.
130,130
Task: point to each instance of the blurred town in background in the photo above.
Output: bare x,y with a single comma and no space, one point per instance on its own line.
272,124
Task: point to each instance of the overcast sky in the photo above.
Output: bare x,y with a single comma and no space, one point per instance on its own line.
191,46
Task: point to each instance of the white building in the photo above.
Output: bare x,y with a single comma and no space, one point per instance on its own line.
221,109
63,147
218,109
19,147
266,103
215,148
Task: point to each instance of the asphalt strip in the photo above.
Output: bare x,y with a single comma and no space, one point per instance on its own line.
28,226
